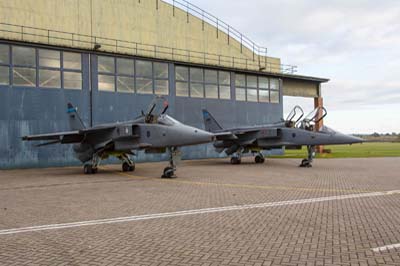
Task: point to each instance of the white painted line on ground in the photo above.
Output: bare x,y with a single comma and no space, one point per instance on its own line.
386,248
189,212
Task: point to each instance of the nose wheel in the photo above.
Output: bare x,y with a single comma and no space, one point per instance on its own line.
169,171
307,163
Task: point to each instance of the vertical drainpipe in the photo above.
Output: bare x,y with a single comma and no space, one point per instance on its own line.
319,102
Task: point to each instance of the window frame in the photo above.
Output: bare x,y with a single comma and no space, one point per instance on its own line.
34,67
71,70
125,75
39,69
8,65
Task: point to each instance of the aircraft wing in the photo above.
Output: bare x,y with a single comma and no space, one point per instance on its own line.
66,137
97,129
236,134
60,137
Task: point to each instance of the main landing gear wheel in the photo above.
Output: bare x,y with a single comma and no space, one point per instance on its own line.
88,169
259,159
235,160
168,172
126,167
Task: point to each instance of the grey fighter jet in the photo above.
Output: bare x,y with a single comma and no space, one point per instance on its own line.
292,133
154,133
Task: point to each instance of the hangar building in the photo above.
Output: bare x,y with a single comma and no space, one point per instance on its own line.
109,58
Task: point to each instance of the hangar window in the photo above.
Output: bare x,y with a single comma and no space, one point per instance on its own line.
197,90
211,91
160,70
4,64
225,92
217,84
72,80
252,84
196,82
24,66
199,83
196,75
211,84
49,58
181,73
49,78
4,75
274,90
144,85
125,75
144,69
106,64
224,82
161,87
72,61
211,76
4,54
106,70
49,69
240,84
182,89
106,82
263,92
72,70
125,84
125,67
144,77
240,94
23,56
24,76
161,78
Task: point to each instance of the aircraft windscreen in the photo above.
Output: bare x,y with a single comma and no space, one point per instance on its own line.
326,129
167,120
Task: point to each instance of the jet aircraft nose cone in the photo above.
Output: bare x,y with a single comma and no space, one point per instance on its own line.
356,139
204,136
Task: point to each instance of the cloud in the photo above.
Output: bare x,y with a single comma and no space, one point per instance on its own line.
354,43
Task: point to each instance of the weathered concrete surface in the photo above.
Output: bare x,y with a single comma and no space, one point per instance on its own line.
334,232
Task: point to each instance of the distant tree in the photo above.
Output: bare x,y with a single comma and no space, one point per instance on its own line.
375,134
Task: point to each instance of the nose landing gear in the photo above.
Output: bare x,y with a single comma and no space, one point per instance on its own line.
311,154
169,171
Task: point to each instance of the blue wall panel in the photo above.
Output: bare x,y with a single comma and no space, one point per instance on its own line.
25,111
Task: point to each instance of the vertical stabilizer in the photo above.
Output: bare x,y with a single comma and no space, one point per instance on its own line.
75,122
210,124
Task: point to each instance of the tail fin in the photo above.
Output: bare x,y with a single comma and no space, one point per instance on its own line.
211,125
75,122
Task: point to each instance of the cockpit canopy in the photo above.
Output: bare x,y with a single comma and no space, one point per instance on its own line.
328,130
167,120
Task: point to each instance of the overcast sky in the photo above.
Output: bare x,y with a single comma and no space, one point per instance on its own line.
355,43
